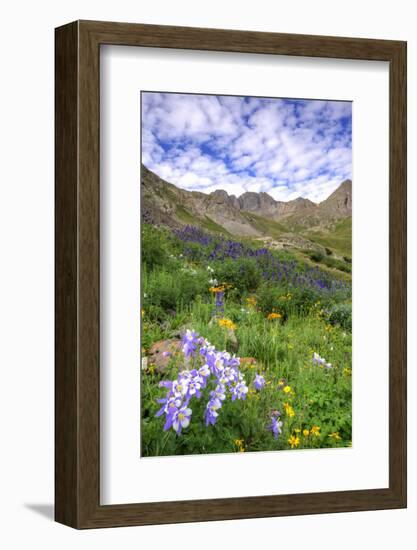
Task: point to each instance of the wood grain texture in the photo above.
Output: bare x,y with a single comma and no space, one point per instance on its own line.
66,304
78,285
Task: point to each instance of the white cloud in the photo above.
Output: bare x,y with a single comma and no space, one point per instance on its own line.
287,148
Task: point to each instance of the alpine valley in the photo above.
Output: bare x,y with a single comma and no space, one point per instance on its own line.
300,224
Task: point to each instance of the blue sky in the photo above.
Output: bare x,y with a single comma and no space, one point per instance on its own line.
285,147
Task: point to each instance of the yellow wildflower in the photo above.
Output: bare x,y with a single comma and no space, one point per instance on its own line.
215,289
315,430
289,411
251,301
297,430
142,312
287,389
306,433
226,323
335,435
294,441
273,315
240,445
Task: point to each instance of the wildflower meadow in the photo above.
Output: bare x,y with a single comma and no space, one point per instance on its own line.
243,348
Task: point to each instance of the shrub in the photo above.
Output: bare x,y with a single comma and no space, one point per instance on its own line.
316,256
289,301
195,252
153,247
243,274
168,290
338,264
341,314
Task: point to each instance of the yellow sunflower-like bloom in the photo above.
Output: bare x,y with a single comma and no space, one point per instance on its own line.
226,323
273,315
315,430
294,441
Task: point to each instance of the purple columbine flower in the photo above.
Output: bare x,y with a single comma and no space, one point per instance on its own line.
211,411
225,370
180,387
234,362
204,371
170,405
189,343
181,419
317,360
219,393
239,391
194,387
259,382
276,425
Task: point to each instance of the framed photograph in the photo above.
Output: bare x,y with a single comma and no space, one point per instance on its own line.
230,274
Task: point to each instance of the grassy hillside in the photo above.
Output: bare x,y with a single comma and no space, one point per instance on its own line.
339,239
207,223
265,225
289,323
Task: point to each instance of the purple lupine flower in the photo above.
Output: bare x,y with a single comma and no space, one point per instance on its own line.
259,382
219,303
290,272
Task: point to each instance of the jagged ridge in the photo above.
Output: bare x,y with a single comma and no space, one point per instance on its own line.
249,215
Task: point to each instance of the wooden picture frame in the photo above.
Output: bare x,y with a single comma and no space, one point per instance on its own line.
77,382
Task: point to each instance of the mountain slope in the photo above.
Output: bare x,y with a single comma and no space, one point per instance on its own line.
339,203
301,222
163,203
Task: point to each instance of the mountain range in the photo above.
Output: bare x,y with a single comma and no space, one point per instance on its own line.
299,223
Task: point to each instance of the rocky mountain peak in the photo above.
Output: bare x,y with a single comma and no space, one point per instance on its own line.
164,203
219,195
339,203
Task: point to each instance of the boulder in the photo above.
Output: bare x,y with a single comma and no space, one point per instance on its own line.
161,353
